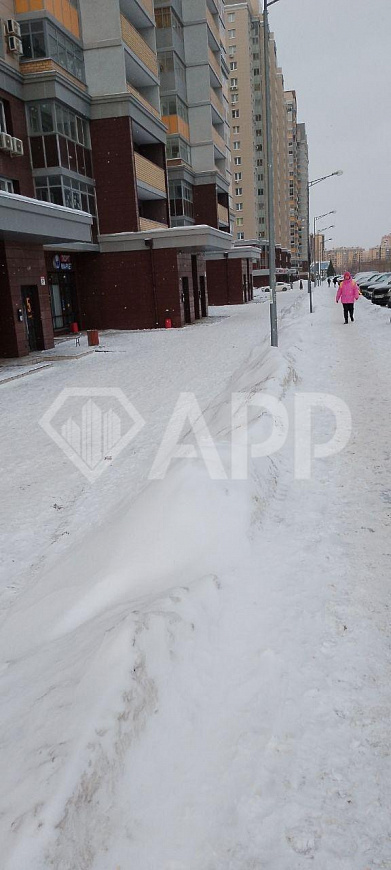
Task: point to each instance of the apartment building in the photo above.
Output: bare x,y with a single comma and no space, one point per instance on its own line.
245,42
194,106
302,197
84,208
293,175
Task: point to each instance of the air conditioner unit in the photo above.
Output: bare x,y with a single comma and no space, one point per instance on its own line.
17,148
15,45
13,28
6,142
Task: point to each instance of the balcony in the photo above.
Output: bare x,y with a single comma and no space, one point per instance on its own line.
138,47
149,174
213,27
215,67
218,142
217,103
142,100
223,215
146,225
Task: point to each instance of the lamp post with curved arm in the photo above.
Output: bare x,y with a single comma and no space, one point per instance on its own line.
311,184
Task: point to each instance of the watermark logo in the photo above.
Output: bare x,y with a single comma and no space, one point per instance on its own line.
92,426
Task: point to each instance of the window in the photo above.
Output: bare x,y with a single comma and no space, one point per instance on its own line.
239,221
256,71
258,118
238,161
239,206
181,199
238,191
174,106
62,190
240,235
238,176
231,34
178,149
231,17
236,146
233,65
232,50
7,185
234,83
55,118
260,191
236,130
43,39
3,125
235,113
234,99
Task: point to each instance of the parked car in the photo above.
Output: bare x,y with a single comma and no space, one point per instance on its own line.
363,277
280,285
367,287
381,292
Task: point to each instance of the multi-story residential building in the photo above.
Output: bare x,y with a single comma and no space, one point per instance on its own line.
245,42
293,174
194,106
303,199
83,142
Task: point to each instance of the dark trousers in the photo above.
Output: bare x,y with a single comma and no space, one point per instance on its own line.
348,309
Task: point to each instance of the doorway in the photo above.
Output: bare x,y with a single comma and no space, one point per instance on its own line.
32,317
196,292
186,299
204,307
63,300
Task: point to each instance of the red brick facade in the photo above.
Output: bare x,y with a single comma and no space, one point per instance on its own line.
229,281
115,175
135,289
22,266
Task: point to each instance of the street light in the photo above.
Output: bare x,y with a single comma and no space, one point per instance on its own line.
321,246
270,180
311,184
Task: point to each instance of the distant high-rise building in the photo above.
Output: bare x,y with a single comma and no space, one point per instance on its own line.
194,106
302,194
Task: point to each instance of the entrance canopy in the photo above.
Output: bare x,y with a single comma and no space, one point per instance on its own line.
23,219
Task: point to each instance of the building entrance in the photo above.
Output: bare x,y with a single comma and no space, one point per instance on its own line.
63,300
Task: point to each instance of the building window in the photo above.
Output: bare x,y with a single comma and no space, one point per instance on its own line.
234,83
177,149
238,161
240,235
258,118
58,137
233,65
181,199
236,146
232,50
239,221
235,113
238,176
3,125
174,106
236,130
234,99
239,206
238,191
231,34
43,39
62,190
7,185
231,17
260,191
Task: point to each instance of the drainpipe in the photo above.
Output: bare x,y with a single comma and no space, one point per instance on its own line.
227,277
149,244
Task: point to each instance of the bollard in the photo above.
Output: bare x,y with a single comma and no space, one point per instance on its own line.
93,337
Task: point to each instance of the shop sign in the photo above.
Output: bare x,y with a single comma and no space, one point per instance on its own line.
62,262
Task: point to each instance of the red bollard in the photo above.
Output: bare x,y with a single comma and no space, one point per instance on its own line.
74,327
93,337
168,323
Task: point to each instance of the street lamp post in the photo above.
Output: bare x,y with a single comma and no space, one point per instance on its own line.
321,246
270,180
311,184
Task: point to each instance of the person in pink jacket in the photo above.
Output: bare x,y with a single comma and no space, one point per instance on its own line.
348,292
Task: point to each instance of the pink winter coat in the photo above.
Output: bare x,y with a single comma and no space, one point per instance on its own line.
347,291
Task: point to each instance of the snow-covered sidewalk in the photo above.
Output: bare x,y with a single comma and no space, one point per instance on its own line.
197,673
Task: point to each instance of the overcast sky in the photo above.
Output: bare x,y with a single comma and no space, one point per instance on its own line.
336,55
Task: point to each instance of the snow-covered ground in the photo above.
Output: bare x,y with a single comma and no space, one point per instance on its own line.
196,672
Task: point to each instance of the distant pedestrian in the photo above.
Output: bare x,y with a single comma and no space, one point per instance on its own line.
291,283
301,284
329,281
348,292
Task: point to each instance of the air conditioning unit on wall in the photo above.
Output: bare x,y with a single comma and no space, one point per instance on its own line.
6,142
15,45
12,28
17,148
